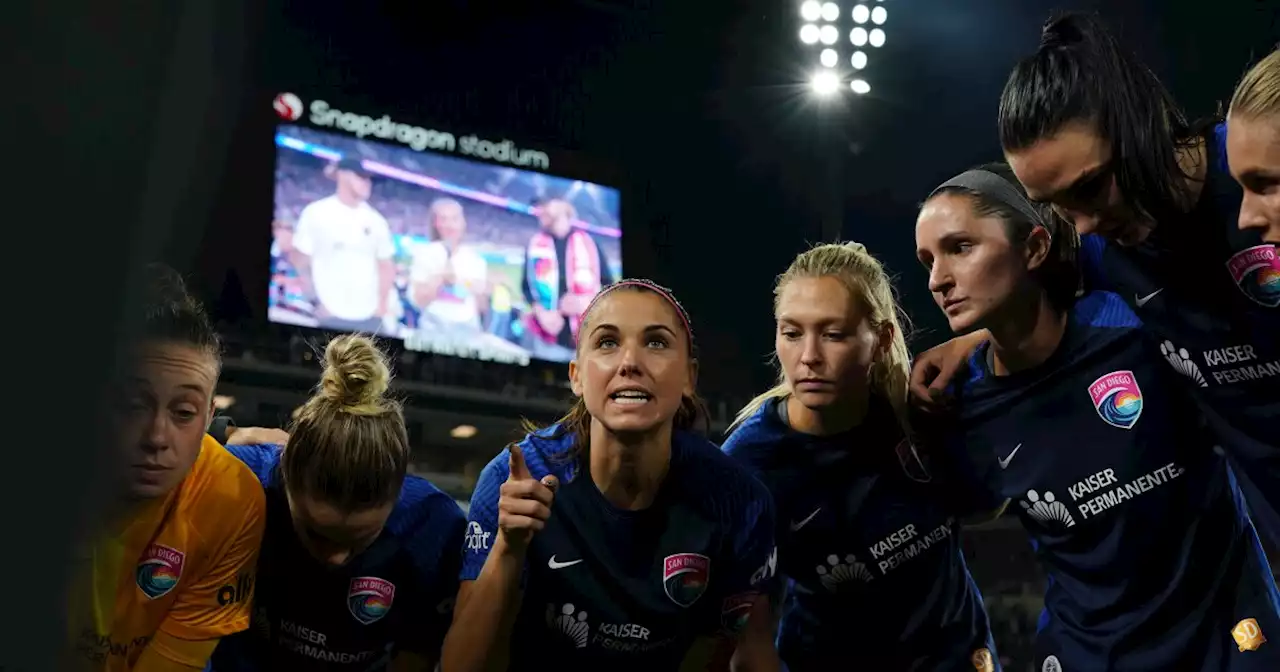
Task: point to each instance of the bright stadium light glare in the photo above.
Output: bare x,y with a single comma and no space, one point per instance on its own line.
861,13
828,57
811,10
876,38
809,33
830,11
858,36
829,34
860,86
825,82
879,15
858,60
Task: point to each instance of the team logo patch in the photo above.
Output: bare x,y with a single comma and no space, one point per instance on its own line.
1117,398
736,611
159,570
1248,635
369,598
1256,271
684,577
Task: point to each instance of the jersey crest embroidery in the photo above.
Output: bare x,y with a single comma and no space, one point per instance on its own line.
1117,398
684,577
159,570
369,598
1256,271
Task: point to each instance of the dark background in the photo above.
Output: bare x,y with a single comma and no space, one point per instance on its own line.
142,130
700,112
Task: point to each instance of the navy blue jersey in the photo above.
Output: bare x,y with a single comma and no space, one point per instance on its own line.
1152,562
612,589
869,546
1210,294
395,595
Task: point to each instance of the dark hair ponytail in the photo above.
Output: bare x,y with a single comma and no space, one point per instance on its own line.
1081,73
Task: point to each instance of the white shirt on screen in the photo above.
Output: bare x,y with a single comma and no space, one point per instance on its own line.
455,303
345,245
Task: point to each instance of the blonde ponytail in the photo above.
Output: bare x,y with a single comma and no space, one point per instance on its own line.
348,445
866,280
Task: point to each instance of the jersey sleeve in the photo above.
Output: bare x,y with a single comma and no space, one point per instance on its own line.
202,611
304,232
437,557
754,560
1091,249
482,523
260,458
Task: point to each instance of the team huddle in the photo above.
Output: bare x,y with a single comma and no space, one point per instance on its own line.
1114,384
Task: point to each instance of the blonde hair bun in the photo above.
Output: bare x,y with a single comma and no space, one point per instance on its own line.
356,375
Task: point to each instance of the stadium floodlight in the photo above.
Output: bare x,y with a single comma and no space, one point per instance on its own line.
830,11
809,33
829,57
858,60
860,86
861,13
876,38
858,36
825,82
811,10
829,35
879,15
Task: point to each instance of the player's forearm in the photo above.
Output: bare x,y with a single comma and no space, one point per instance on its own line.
480,636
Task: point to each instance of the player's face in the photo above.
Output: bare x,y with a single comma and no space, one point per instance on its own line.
167,405
1073,170
1253,150
450,223
632,367
334,536
356,184
825,341
974,270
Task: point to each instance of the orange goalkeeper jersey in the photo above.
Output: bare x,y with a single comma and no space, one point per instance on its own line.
183,566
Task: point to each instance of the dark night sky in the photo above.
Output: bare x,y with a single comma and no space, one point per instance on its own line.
699,106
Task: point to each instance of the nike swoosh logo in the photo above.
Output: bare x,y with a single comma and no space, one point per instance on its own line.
561,565
1004,461
799,524
1142,300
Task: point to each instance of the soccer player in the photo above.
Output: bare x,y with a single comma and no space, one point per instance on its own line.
1092,132
360,562
616,539
185,517
1253,144
1066,410
867,538
342,248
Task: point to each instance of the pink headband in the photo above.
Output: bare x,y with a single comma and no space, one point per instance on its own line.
656,289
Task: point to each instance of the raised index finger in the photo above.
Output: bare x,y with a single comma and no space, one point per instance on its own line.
519,470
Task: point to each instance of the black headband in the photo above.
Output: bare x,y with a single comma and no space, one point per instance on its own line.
993,186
